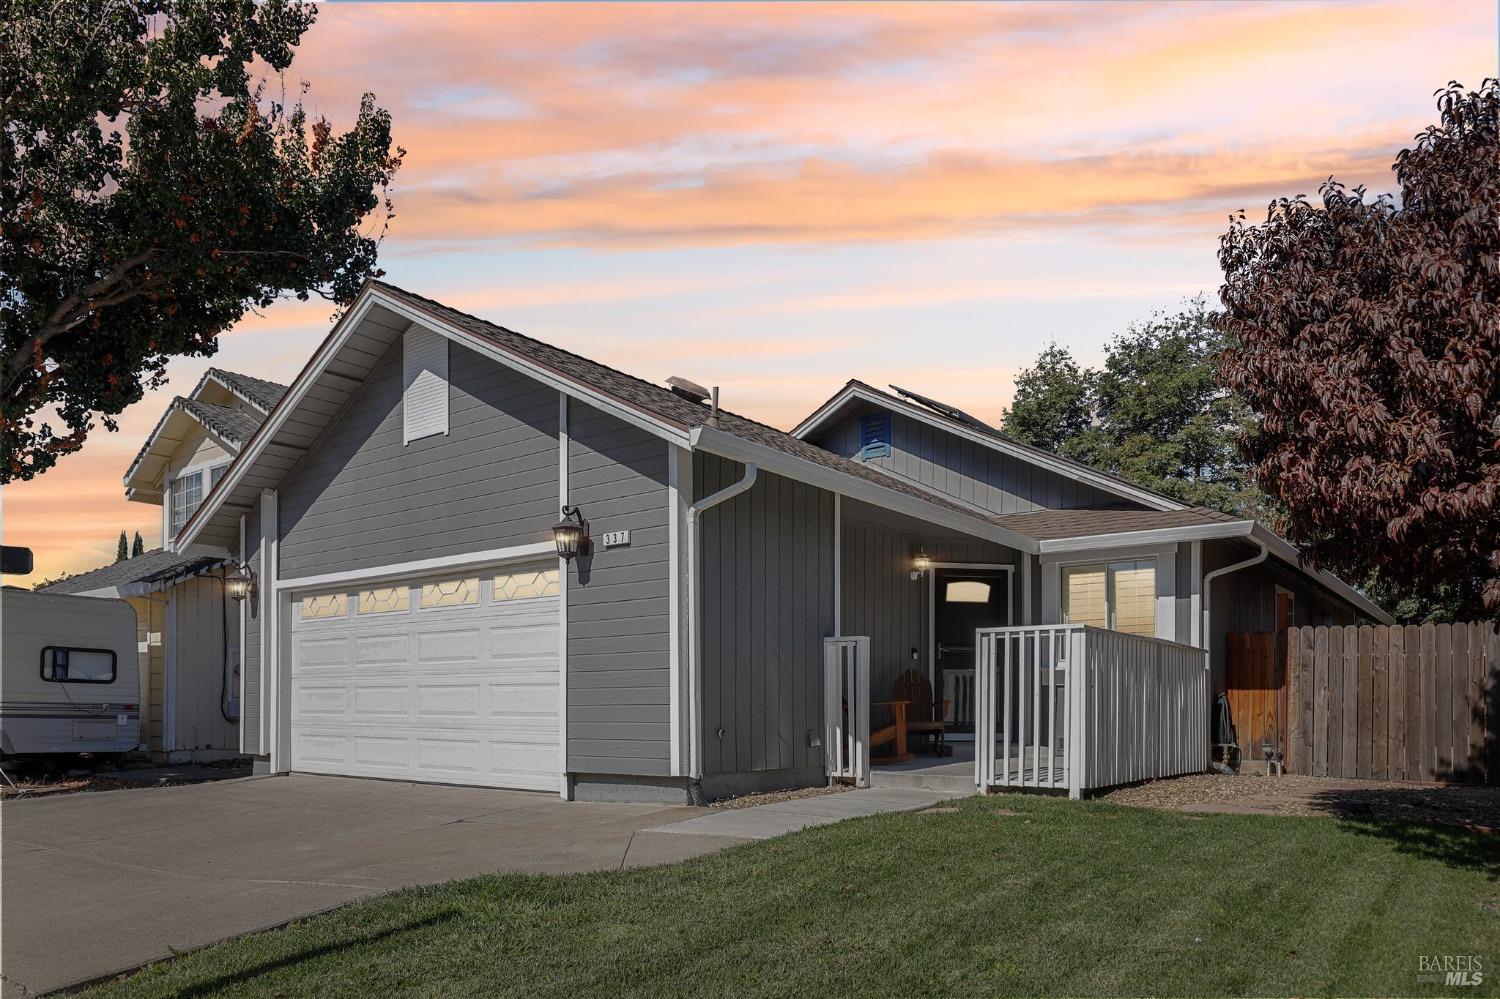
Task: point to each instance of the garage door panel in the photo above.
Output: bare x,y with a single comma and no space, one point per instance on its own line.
457,692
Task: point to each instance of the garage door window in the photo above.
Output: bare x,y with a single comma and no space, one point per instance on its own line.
524,585
324,605
384,600
450,593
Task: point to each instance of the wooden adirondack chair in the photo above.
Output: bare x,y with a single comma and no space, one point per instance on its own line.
923,717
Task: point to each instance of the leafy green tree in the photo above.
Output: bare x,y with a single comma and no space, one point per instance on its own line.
1153,414
122,550
154,189
137,546
1053,401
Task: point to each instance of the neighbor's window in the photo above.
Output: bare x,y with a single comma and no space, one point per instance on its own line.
187,493
215,474
1116,595
967,591
65,665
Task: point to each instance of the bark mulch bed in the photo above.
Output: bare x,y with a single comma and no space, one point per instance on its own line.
1451,804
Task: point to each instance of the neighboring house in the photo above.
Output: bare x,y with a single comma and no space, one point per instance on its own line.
188,631
413,618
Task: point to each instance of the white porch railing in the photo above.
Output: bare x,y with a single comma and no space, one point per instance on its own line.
846,709
1072,707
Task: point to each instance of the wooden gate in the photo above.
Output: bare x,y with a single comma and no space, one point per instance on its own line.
1255,681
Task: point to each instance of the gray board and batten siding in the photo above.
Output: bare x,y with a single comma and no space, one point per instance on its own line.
619,603
961,469
362,499
767,578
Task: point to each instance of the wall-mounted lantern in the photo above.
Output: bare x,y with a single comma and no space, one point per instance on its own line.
920,564
241,583
571,534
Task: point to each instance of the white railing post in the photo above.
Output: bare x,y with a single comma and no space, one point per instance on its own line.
846,709
1080,676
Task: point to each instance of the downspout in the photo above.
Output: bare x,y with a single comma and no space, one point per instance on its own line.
1208,590
695,664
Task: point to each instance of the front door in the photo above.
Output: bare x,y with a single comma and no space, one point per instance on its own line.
964,600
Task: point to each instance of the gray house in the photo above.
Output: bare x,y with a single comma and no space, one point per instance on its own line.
743,596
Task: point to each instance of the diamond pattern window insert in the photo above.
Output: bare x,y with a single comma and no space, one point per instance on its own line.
525,585
384,599
450,593
325,605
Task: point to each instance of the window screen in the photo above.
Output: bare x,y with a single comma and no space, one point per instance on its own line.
65,665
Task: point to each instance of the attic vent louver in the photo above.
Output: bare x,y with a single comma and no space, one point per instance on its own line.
424,401
688,390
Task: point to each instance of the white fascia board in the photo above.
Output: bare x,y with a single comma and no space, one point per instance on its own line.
842,483
1285,551
576,389
421,567
267,432
1164,535
1041,460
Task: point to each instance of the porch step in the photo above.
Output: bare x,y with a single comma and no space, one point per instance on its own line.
919,780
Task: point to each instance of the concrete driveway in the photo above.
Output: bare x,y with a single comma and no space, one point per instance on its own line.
92,884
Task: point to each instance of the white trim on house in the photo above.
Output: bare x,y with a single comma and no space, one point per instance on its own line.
421,567
244,615
169,678
679,486
1195,594
772,460
1052,463
270,606
1166,580
1164,535
564,457
1010,603
838,566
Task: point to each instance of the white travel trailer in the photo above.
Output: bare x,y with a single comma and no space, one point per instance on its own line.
69,680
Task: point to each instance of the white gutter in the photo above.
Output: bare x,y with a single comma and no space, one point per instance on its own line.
1208,590
695,661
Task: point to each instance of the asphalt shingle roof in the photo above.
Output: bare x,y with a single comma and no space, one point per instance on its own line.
237,425
664,404
259,391
148,567
1050,525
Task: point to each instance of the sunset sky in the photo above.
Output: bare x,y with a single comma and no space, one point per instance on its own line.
774,199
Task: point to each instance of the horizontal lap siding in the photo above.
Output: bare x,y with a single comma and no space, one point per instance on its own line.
362,499
964,470
767,603
619,617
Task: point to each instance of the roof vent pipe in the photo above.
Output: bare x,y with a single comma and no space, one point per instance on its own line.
713,413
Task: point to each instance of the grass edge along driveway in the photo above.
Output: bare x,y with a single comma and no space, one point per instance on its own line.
1006,895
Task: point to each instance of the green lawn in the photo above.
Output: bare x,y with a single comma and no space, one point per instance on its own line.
1007,895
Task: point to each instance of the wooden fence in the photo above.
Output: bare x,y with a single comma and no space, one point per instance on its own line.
1413,703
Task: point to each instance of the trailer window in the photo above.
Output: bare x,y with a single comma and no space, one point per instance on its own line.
64,665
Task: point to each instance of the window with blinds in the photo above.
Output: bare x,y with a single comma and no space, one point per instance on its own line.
1116,595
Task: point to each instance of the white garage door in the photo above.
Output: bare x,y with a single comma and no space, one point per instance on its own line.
452,679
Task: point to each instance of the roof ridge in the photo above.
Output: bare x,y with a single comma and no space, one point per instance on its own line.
563,350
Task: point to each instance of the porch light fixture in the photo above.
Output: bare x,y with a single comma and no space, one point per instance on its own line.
240,584
920,564
571,534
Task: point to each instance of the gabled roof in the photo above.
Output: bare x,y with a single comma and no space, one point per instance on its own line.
146,572
258,392
381,314
1056,525
232,426
987,436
